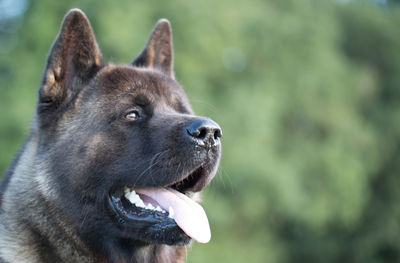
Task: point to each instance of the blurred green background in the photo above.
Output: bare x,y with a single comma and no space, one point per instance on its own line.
308,96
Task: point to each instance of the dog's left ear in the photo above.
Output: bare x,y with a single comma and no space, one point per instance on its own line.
158,52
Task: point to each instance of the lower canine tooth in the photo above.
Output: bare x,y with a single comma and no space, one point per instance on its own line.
171,212
140,203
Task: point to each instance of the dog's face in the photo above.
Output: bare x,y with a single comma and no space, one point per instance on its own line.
124,150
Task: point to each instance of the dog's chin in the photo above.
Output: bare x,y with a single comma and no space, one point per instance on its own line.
153,227
142,218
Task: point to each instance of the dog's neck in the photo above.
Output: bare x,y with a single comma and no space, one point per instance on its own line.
150,253
40,236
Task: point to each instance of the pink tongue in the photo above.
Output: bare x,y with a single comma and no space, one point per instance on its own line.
188,214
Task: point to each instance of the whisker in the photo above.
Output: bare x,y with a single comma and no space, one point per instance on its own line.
152,164
209,106
221,174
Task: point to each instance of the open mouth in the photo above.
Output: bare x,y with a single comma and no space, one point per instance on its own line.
165,209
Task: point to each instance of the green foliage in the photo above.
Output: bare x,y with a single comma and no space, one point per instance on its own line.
307,93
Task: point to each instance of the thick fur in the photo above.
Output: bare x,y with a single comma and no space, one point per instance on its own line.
53,197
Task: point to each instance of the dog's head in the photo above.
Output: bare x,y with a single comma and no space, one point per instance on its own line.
124,153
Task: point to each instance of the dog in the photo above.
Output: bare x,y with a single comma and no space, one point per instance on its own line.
115,160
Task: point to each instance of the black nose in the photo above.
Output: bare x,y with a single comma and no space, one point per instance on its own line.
204,131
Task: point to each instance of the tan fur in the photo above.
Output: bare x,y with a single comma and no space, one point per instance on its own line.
28,181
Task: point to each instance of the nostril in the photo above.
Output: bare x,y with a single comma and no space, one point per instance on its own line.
193,132
203,133
217,134
200,133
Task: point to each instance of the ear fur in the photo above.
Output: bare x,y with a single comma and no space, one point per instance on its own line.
73,59
158,52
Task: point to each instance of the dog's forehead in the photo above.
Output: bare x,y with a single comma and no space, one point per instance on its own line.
117,80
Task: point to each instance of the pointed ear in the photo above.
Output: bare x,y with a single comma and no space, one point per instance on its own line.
72,61
158,52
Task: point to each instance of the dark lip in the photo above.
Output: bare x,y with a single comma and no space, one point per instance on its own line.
144,223
136,214
129,213
193,181
136,221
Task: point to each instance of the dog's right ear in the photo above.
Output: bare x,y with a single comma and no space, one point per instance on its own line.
73,60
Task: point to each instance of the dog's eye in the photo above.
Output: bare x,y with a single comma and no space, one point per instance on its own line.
132,115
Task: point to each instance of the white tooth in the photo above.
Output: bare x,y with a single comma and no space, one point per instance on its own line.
140,203
132,198
171,212
158,208
150,206
135,199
